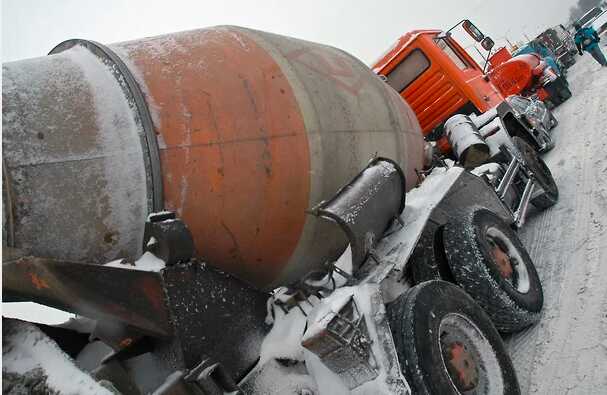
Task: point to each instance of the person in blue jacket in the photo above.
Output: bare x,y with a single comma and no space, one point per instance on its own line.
587,39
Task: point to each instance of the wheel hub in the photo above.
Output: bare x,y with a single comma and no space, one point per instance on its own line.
508,261
468,359
502,260
461,366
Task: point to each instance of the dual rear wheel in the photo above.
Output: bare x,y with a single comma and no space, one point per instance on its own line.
480,253
446,333
490,263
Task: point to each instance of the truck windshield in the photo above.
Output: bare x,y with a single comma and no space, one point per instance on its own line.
451,53
408,70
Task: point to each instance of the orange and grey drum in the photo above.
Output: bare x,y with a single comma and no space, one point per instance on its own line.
239,132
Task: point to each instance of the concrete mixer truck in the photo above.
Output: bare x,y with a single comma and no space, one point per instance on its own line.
233,211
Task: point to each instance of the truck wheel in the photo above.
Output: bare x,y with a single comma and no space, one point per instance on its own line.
553,120
564,94
489,262
542,174
423,262
447,345
428,260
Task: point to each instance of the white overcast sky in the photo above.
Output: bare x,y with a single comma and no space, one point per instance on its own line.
364,28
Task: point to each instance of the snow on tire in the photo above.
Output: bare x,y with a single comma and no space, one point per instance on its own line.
425,261
489,262
447,345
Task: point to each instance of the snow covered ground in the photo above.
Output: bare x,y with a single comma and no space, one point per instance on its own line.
566,353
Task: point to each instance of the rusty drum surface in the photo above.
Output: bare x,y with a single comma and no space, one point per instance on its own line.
238,131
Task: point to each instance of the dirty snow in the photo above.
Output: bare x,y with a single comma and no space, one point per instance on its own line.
25,348
147,263
284,340
566,353
289,331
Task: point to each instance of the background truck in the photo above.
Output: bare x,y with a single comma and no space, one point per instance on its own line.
588,18
438,78
560,42
528,74
600,23
240,212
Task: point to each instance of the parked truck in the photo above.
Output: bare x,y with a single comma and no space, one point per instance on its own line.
233,211
438,78
526,73
588,18
560,41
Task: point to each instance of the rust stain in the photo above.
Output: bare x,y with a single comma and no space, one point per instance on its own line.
38,282
125,342
236,134
151,289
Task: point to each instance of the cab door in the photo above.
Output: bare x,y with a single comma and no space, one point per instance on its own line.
474,83
426,84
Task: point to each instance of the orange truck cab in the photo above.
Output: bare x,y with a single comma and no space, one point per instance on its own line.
439,79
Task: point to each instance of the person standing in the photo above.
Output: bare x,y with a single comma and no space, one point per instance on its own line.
587,39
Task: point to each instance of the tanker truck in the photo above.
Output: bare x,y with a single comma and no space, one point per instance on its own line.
560,42
529,74
233,211
438,78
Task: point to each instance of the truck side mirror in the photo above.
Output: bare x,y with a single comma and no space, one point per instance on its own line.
487,43
473,31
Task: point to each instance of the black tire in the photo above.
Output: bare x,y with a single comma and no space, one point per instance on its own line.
553,120
564,94
423,262
428,322
547,137
489,262
428,260
556,100
542,173
549,143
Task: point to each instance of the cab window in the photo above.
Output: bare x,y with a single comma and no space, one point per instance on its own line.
408,70
452,54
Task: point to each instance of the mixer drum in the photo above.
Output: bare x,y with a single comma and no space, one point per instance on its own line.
237,131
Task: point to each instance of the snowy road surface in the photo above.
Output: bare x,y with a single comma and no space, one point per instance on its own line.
566,353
